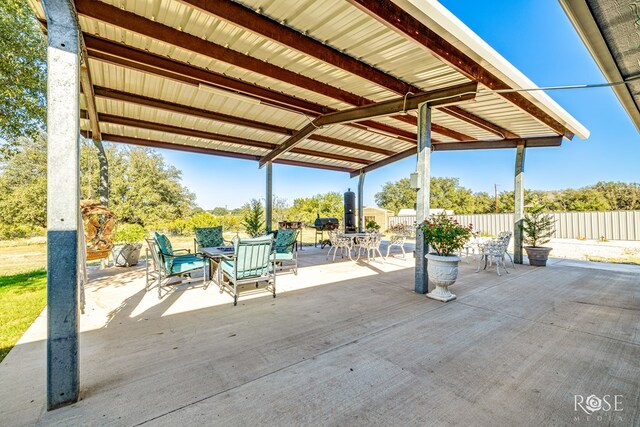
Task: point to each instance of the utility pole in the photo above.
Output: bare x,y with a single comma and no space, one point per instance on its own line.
495,192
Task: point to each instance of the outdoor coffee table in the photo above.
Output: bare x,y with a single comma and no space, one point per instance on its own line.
214,255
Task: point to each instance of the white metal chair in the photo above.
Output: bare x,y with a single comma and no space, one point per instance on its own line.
399,241
494,250
339,242
371,245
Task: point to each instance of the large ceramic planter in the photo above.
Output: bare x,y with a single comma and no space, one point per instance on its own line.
443,272
126,255
538,256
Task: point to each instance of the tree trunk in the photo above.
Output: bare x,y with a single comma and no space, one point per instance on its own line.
103,185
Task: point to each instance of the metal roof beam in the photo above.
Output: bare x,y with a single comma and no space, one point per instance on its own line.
551,141
401,21
486,125
117,95
195,133
537,142
444,96
211,151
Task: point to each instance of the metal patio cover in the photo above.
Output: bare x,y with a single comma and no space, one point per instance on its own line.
609,29
238,79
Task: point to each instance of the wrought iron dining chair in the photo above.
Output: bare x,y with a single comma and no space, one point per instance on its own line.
253,261
401,233
370,244
167,265
343,243
506,235
494,250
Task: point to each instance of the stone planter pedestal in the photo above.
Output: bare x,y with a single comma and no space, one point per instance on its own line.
443,272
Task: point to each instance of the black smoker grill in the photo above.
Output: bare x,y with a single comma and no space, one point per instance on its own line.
321,225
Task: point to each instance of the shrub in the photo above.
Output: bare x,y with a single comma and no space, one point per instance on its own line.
129,233
372,225
253,222
538,227
444,234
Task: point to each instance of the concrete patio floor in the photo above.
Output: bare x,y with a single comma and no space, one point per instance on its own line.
347,343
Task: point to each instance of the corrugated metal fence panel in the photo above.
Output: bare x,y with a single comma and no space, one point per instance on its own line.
406,220
611,225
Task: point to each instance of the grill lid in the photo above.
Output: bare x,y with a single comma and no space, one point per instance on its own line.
326,223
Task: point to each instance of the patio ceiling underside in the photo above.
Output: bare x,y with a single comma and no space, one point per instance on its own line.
167,73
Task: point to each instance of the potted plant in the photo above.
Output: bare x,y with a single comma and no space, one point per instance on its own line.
371,226
445,236
538,227
126,251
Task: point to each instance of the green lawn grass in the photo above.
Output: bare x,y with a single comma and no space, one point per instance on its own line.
22,298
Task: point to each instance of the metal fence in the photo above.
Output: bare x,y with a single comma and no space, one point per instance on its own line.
611,225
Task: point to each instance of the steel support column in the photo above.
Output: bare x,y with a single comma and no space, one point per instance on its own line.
518,213
422,205
63,188
361,202
269,197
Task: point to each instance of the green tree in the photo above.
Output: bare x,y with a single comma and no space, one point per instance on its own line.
619,195
253,221
23,185
144,189
396,195
219,211
22,75
326,205
446,193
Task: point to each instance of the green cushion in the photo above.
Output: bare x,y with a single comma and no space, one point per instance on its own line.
209,237
285,240
183,264
165,248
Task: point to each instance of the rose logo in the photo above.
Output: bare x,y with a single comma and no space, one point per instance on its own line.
593,403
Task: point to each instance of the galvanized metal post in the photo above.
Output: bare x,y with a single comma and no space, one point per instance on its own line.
519,204
63,187
269,197
422,205
361,202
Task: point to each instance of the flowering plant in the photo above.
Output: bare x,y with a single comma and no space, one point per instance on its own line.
445,234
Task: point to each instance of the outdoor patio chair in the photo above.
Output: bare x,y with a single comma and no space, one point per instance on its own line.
399,241
253,261
506,235
208,237
284,245
167,265
339,242
370,244
494,250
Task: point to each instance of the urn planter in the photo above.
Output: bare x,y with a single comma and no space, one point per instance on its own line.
126,255
443,272
538,255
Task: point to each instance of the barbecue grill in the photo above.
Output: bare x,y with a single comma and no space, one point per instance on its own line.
321,225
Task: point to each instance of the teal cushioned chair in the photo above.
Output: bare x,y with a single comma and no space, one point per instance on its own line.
166,264
284,244
253,261
208,237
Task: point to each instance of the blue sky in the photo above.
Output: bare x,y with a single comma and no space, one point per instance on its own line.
536,37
